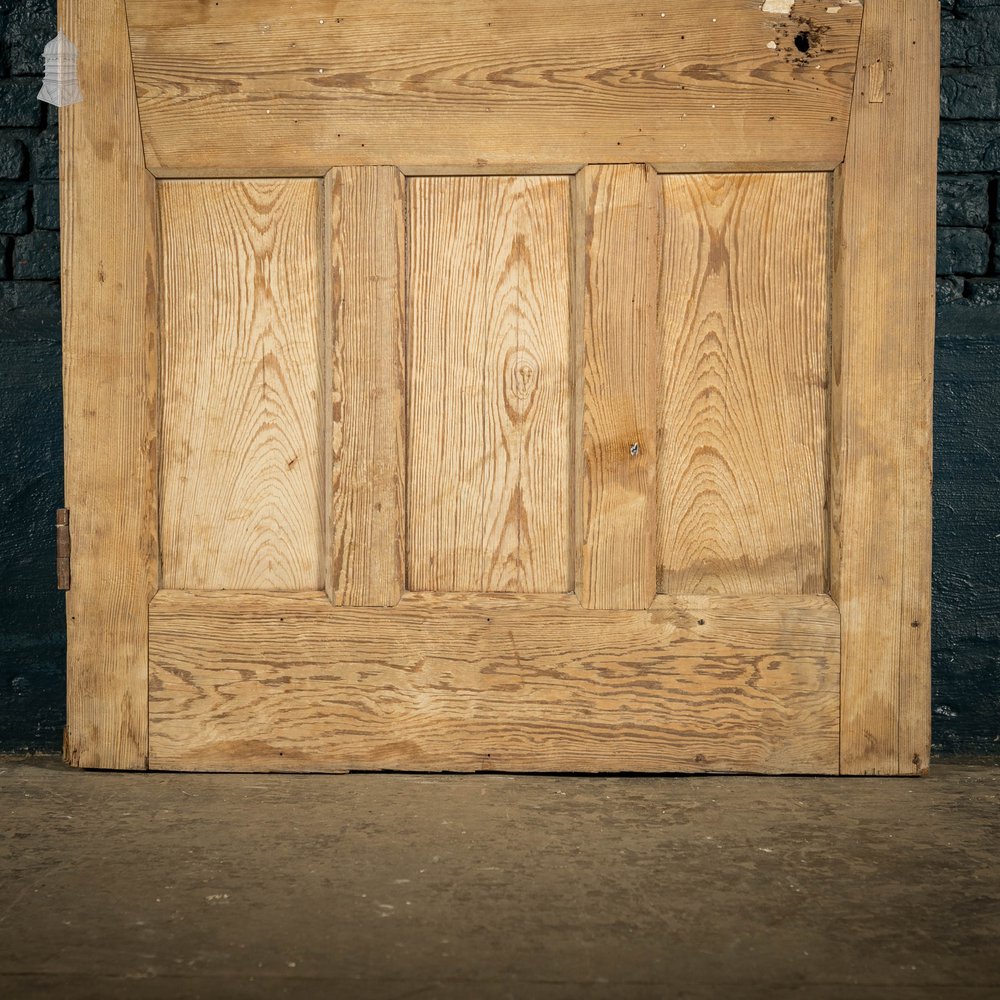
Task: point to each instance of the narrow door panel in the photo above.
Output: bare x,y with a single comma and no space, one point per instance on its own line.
366,426
617,245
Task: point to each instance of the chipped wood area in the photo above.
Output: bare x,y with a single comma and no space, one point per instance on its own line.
254,682
519,87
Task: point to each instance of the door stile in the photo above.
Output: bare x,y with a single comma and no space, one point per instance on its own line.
883,338
109,288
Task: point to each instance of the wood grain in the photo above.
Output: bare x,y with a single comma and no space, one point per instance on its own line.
109,293
502,86
617,240
493,682
241,376
882,362
489,384
366,446
744,358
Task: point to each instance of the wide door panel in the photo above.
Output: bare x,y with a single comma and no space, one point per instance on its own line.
493,682
490,389
744,349
241,385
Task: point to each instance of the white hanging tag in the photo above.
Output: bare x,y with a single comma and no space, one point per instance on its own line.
60,86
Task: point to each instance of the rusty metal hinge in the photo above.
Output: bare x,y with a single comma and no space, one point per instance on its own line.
63,549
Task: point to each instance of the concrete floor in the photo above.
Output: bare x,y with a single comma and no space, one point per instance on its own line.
389,886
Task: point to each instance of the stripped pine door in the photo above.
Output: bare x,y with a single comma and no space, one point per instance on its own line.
462,386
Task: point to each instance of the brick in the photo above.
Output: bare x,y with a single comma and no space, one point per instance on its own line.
36,256
974,317
970,93
29,310
969,6
12,159
969,147
14,217
963,200
984,293
45,205
45,155
966,697
962,251
29,26
958,320
949,289
972,40
19,106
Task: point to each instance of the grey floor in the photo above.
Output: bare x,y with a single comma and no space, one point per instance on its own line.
390,886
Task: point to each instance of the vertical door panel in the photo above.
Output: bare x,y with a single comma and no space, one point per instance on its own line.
364,215
617,221
744,362
240,473
489,391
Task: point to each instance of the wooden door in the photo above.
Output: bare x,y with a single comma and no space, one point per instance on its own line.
499,386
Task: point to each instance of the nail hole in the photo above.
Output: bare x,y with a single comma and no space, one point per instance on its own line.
802,41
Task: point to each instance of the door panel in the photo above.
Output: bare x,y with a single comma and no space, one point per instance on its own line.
241,383
486,682
744,384
490,390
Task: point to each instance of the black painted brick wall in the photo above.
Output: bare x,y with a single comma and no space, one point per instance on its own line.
32,629
966,635
967,396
